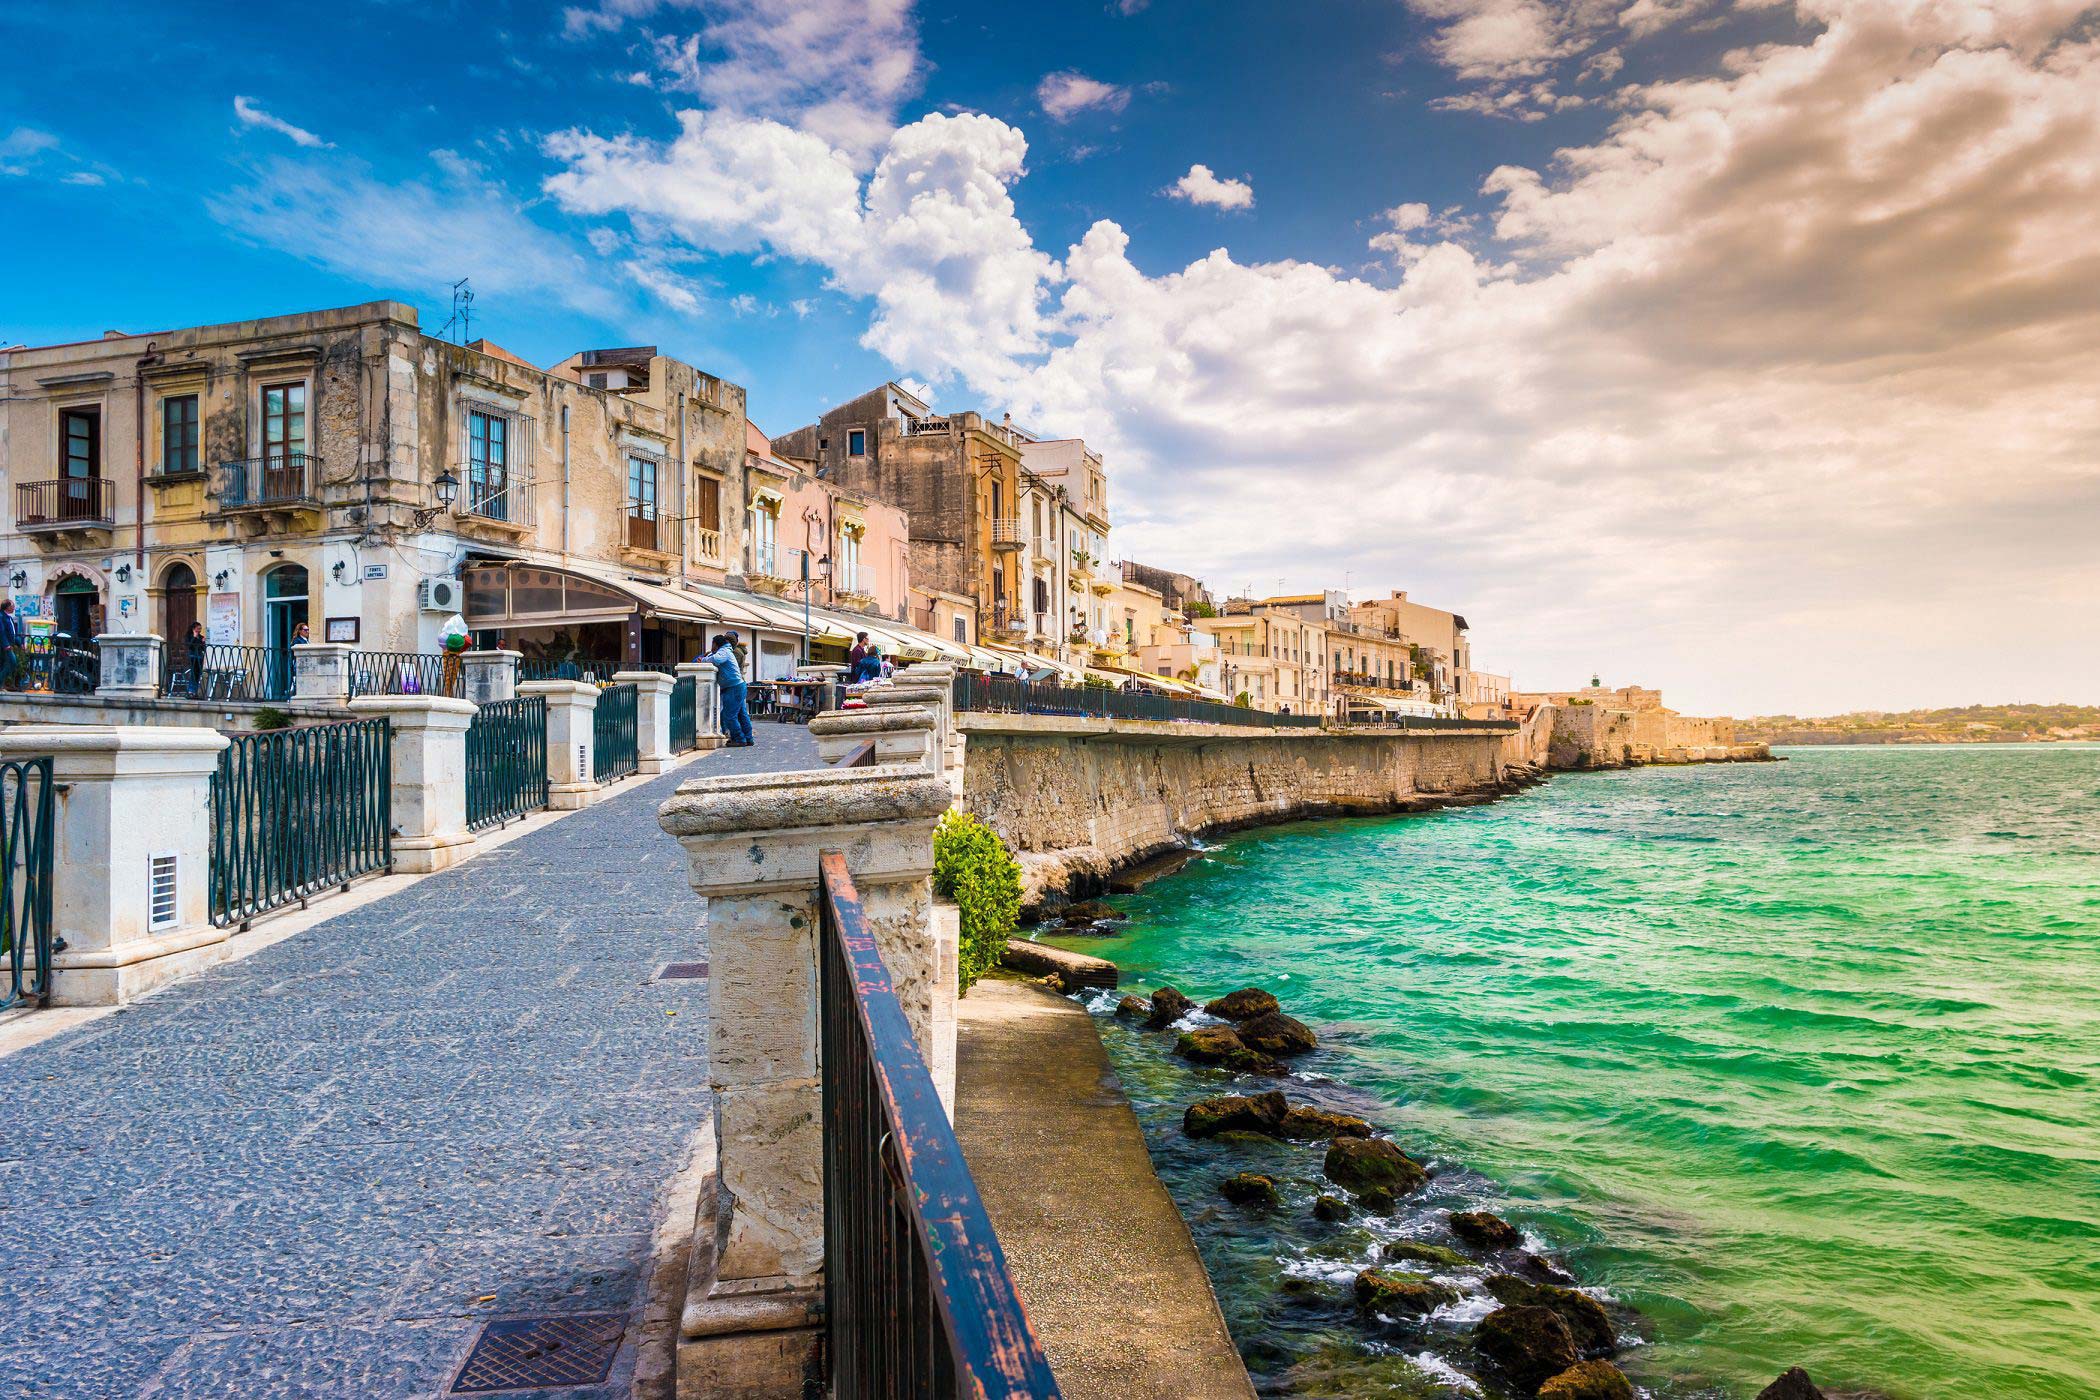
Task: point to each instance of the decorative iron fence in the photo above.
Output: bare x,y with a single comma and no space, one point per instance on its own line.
60,666
27,836
975,690
570,668
918,1298
405,673
506,761
685,713
614,738
226,673
295,811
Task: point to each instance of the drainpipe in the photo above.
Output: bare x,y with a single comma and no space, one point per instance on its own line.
565,480
138,442
685,469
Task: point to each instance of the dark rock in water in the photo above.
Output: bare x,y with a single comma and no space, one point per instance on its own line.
1307,1289
1531,1345
1542,1269
1256,1113
1168,1006
1241,1005
1215,1045
1130,1008
1415,1251
1250,1189
1588,1380
1587,1321
1091,911
1400,1295
1274,1033
1304,1124
1362,1163
1377,1200
1146,871
1794,1385
1484,1230
1330,1208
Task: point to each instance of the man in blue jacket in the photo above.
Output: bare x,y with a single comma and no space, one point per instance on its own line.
12,640
736,712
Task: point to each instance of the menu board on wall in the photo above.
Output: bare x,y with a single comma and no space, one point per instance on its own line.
222,619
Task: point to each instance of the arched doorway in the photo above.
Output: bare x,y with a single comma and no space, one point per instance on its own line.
75,609
284,609
178,607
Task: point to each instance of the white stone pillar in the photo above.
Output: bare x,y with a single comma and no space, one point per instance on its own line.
753,1308
901,734
321,671
137,798
707,703
490,677
130,665
571,710
652,719
429,778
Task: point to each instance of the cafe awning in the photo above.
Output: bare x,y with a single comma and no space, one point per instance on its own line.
516,593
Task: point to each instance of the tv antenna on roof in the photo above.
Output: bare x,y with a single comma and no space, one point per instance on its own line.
462,312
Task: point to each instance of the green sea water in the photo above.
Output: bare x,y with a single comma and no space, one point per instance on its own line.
1800,1061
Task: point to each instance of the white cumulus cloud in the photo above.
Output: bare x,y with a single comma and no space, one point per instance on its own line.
1201,186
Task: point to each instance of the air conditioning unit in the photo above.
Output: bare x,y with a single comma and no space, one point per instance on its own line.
442,595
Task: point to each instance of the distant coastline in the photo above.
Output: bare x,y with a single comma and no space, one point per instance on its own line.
1973,724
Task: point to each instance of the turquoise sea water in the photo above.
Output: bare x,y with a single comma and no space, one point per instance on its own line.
1801,1061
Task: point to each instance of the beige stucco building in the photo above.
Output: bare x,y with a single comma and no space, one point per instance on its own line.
345,470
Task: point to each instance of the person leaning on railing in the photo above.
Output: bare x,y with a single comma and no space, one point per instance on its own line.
729,675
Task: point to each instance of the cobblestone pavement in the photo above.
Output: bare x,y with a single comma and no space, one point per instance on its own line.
315,1171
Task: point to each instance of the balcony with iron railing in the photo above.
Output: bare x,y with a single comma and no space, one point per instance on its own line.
1007,533
69,503
277,481
855,587
510,504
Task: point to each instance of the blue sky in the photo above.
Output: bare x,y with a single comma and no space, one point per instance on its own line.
1595,319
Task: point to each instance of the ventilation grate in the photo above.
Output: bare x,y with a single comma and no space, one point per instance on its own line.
682,972
162,908
529,1353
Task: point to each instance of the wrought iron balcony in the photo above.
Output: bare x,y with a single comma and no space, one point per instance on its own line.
497,501
274,482
1006,534
68,503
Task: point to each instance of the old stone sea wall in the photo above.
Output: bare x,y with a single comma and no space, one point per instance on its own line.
1078,800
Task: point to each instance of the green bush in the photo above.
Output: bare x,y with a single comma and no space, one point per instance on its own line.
972,866
1243,700
269,717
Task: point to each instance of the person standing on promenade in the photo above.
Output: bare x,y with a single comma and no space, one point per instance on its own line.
11,640
736,714
860,649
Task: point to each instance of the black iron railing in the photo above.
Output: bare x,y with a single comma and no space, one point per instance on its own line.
919,1302
295,811
614,735
27,838
227,673
284,478
685,713
506,761
976,690
405,673
59,665
68,500
569,668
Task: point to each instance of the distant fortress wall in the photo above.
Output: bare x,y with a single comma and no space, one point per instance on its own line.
1080,799
1593,734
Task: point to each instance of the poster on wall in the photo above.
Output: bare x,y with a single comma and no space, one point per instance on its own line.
28,605
222,619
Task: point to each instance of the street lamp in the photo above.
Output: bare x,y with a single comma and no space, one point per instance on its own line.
447,493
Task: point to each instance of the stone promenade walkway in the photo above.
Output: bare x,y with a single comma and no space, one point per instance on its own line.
318,1170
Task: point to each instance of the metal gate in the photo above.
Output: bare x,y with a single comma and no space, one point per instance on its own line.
685,713
506,761
614,739
27,835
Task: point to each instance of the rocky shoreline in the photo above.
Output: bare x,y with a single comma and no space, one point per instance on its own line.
1495,1311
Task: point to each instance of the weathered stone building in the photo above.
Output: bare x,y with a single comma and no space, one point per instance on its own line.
345,470
957,476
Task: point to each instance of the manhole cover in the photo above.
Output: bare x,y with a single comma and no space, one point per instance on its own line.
524,1353
674,972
